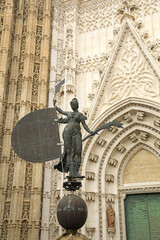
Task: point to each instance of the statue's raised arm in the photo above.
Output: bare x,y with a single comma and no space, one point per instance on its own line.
59,109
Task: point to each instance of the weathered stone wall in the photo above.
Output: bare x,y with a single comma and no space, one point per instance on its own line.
25,36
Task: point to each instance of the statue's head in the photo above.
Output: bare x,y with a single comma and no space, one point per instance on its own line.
74,104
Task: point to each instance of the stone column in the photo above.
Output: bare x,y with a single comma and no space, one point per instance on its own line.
53,63
23,101
5,44
45,54
46,201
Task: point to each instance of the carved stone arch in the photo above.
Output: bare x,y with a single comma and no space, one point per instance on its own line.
109,178
131,136
144,123
121,145
141,125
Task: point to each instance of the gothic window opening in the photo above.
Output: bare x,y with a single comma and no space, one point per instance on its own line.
28,180
4,230
35,88
40,10
19,88
10,179
24,230
1,26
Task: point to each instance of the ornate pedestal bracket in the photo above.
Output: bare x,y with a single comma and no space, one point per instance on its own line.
73,184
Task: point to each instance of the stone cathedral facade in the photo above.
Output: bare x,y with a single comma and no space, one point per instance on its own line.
108,52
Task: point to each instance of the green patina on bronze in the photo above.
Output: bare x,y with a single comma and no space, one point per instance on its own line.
71,158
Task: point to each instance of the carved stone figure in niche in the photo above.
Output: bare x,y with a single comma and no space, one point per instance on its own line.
71,158
111,217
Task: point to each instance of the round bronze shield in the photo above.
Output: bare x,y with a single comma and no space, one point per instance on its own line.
35,138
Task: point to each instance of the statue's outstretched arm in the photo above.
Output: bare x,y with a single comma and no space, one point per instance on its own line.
59,109
86,127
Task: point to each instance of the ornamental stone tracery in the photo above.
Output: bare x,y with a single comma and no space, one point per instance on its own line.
110,154
133,76
70,14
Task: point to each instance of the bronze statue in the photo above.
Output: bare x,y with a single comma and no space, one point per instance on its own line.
71,158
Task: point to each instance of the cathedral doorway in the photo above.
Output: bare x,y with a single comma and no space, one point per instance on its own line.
142,214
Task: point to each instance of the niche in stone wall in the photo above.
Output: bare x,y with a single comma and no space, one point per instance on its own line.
142,167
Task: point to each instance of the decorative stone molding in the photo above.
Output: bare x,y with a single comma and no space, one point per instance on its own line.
127,6
157,121
110,198
101,141
90,196
113,162
90,175
90,231
93,64
25,212
157,143
57,194
133,137
111,232
116,30
68,87
53,224
140,115
46,195
93,157
121,148
127,15
109,178
113,129
144,135
134,190
127,117
91,96
139,24
144,35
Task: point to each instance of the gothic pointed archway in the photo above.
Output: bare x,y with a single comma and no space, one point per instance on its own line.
107,155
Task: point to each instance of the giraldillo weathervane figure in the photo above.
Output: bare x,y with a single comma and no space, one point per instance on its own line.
35,138
71,158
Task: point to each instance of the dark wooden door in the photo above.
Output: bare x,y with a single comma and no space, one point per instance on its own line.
142,212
